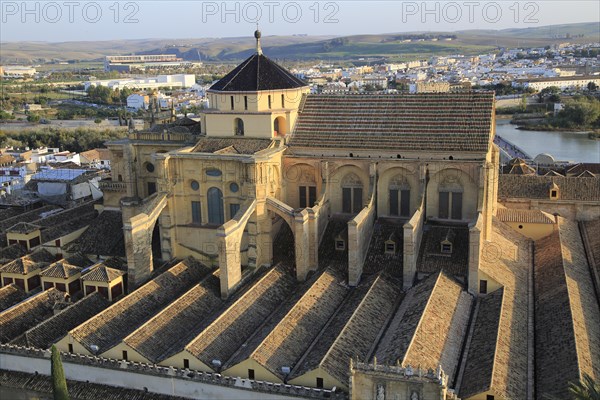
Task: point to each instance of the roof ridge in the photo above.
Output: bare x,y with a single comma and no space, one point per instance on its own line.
412,339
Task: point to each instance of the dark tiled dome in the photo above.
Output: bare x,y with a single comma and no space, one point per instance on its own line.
257,73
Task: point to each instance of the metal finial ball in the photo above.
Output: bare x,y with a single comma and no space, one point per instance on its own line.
257,34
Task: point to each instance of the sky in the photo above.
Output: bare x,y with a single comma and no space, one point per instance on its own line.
74,20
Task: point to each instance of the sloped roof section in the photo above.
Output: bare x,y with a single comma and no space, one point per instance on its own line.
406,122
56,327
256,73
11,295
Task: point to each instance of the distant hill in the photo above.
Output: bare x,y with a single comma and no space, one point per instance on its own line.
393,45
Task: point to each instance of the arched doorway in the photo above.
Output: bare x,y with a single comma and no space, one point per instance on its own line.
283,244
215,206
238,127
279,127
352,194
156,248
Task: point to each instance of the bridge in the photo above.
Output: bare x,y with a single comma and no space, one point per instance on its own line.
508,150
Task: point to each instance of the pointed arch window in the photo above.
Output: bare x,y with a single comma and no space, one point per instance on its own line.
215,206
352,194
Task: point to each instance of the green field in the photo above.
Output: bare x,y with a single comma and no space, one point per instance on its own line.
295,47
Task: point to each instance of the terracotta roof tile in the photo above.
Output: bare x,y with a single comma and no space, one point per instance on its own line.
27,314
234,326
170,330
421,122
53,329
107,328
11,295
526,216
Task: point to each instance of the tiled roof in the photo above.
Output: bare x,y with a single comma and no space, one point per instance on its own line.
11,252
429,327
431,259
362,330
518,166
104,236
107,328
479,364
591,235
68,221
421,122
508,262
53,329
22,227
377,259
332,330
256,73
580,168
31,262
566,312
169,331
288,341
526,216
240,145
234,326
27,314
60,269
102,273
538,187
11,295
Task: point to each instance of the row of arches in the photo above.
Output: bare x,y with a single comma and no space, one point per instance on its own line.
279,127
452,194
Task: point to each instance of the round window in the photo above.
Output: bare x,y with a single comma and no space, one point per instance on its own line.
149,167
234,187
194,185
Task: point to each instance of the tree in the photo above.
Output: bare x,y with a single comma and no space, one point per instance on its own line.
33,118
6,115
523,105
582,112
59,383
585,389
551,94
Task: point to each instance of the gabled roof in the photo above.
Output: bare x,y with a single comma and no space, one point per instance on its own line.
537,187
43,335
28,263
11,295
104,236
171,329
429,326
292,336
479,362
27,314
501,323
23,227
567,317
102,273
527,216
231,145
257,73
225,335
107,328
461,121
60,269
360,331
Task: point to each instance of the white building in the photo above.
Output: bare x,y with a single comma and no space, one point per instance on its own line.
564,83
154,82
138,101
17,71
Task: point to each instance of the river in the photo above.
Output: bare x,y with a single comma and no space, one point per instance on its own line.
563,146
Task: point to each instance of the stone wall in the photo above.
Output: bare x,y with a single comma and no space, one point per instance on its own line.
156,379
